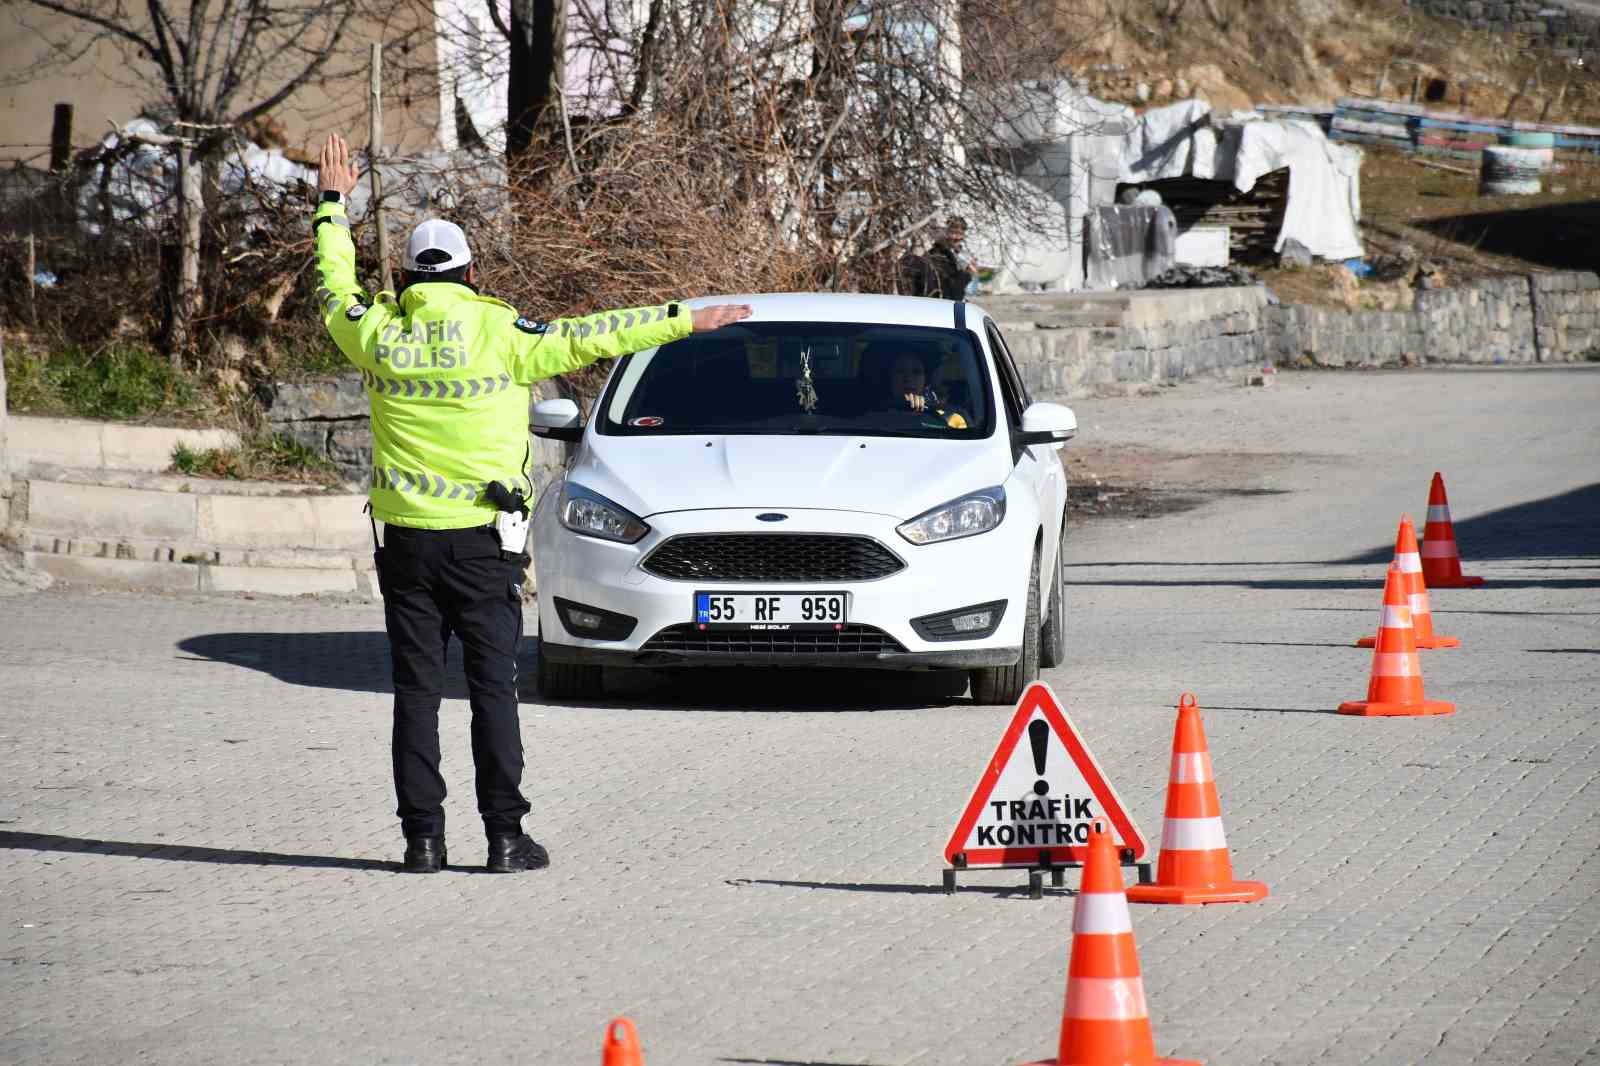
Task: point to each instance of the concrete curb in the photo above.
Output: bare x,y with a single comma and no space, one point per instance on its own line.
110,445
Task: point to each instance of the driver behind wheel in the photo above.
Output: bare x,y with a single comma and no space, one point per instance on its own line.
907,389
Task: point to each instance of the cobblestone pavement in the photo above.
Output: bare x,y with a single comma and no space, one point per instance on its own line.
196,846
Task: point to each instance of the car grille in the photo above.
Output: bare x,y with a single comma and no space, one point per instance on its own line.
849,641
778,557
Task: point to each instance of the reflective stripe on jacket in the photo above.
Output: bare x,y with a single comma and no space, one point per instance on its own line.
447,373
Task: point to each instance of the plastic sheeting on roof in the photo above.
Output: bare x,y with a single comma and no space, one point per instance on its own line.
139,186
1185,140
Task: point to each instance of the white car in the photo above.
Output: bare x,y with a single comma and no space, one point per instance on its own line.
838,480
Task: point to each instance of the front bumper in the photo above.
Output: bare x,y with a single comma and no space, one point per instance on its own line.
964,659
937,577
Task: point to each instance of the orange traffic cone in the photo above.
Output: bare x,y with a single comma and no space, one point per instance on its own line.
1104,1022
1441,563
1416,590
622,1044
1396,684
1194,866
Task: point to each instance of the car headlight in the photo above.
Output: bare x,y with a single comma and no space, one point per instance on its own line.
592,515
968,516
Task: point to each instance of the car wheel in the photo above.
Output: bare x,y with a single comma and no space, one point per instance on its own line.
567,681
1005,684
1053,639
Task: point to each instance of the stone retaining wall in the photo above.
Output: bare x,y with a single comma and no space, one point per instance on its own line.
1144,336
1566,315
1547,318
1070,344
1548,24
331,417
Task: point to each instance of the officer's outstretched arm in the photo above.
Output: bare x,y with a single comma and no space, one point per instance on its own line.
545,349
352,319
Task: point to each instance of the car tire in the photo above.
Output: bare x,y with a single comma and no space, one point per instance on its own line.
567,681
1053,638
1005,684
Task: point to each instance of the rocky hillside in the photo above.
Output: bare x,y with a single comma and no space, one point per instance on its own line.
1243,52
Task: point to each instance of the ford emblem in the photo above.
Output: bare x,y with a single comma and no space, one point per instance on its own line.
771,516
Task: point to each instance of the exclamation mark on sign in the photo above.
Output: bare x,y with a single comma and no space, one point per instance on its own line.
1039,737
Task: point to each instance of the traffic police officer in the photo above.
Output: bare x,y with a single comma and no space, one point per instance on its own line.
447,372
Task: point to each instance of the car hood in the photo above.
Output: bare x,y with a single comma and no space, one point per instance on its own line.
899,477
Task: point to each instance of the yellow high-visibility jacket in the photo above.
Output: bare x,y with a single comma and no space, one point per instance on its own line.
447,374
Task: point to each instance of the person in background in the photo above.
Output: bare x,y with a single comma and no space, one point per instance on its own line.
447,371
950,270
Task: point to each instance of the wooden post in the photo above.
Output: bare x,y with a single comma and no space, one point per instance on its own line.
61,138
374,147
32,269
1416,87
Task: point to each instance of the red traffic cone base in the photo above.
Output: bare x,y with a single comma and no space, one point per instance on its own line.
1194,866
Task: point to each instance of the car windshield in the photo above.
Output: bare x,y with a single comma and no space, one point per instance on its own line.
806,377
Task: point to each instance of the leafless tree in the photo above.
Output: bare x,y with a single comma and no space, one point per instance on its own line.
207,68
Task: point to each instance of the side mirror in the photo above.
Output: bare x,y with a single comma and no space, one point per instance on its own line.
1048,423
558,420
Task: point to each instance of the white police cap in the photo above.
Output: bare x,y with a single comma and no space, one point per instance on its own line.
436,246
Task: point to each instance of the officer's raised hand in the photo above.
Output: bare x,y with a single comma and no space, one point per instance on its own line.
718,315
334,172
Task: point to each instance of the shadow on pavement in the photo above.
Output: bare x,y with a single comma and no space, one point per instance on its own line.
353,661
760,688
1283,643
359,662
794,1062
1280,710
1000,891
1556,527
1243,583
1567,651
182,852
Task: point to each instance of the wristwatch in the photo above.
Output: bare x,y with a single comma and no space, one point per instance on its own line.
332,196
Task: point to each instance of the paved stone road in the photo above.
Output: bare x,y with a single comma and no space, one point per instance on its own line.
196,846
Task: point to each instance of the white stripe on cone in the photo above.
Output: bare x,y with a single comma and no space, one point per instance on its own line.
1438,549
1408,562
1193,834
1102,912
1396,617
1419,604
1191,767
1106,998
1396,664
1438,512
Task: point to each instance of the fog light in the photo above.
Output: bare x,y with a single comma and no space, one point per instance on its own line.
590,620
966,623
593,623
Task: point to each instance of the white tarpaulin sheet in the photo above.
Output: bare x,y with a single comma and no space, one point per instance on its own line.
1324,178
1324,183
1170,142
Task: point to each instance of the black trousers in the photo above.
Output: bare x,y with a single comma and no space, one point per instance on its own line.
436,583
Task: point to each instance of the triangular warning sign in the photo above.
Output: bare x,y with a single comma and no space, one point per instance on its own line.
1038,796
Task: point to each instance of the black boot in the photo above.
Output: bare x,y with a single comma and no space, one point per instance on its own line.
511,853
424,855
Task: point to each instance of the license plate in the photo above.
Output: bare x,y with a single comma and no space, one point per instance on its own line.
762,610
